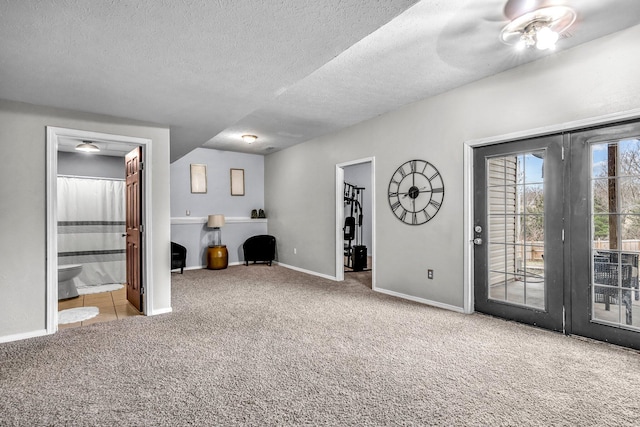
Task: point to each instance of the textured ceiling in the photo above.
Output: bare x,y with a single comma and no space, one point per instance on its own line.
285,70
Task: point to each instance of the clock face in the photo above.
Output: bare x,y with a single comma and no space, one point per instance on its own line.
416,192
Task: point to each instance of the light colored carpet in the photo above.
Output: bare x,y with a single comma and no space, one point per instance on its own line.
263,345
86,290
77,314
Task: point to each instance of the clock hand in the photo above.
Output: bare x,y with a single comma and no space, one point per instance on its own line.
419,191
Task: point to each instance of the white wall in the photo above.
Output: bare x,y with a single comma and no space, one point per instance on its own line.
23,208
194,234
591,80
91,165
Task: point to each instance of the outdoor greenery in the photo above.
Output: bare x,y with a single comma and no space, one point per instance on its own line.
619,194
623,191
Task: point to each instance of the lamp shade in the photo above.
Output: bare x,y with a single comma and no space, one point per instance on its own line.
215,221
249,138
87,147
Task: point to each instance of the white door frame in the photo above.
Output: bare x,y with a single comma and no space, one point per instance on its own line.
468,178
340,217
53,135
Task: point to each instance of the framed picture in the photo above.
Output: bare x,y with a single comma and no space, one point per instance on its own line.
237,182
198,178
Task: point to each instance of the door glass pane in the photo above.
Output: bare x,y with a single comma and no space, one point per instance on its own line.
627,193
516,229
600,195
615,231
605,304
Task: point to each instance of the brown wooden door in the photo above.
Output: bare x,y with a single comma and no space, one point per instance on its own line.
133,162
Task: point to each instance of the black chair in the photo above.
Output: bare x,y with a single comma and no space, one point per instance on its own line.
259,248
607,271
178,256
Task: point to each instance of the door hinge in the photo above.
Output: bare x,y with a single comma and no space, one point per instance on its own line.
141,165
141,290
141,228
563,152
563,235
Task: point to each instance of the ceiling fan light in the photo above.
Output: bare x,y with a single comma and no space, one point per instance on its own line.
546,38
87,147
527,40
249,138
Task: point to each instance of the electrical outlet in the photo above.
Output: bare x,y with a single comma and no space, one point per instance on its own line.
430,274
295,251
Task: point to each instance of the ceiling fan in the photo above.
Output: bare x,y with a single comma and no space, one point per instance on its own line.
539,27
480,31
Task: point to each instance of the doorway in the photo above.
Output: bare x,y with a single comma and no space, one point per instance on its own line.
114,145
556,232
355,220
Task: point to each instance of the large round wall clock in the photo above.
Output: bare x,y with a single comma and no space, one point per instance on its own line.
416,192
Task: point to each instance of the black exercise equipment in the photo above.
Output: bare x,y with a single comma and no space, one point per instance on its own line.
354,251
359,258
349,228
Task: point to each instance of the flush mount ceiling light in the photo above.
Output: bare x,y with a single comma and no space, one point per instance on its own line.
540,28
249,138
87,147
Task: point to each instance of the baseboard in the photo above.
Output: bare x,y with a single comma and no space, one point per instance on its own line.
204,267
23,336
193,267
302,270
161,311
421,300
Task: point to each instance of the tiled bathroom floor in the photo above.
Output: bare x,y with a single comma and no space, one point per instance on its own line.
112,305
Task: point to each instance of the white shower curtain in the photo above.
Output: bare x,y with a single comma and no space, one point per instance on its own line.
91,215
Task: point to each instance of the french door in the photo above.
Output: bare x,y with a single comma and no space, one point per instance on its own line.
557,232
518,197
604,219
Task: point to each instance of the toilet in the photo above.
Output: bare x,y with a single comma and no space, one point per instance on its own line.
66,280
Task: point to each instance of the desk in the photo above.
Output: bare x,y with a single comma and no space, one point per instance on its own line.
217,257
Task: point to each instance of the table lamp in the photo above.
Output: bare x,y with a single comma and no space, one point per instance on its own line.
216,221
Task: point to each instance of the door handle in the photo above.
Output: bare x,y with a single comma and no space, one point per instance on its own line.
125,235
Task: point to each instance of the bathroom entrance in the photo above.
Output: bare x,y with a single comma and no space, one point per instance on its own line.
90,205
